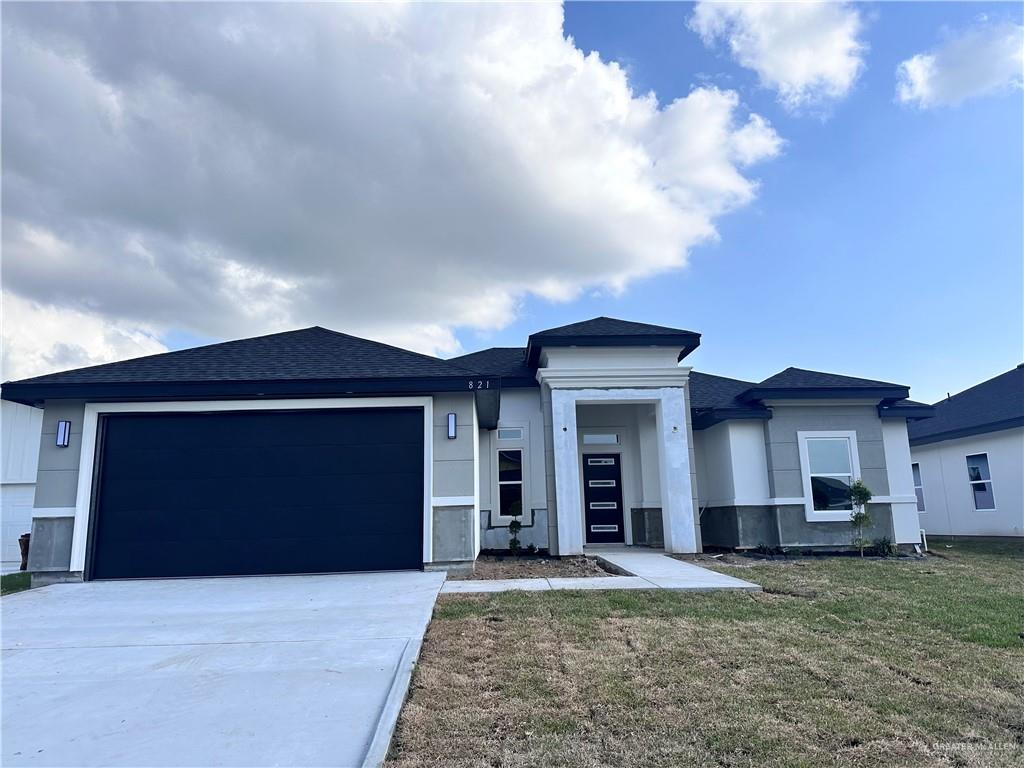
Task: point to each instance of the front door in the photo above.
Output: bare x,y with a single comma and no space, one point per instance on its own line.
602,498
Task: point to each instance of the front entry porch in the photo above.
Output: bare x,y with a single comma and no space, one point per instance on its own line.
622,469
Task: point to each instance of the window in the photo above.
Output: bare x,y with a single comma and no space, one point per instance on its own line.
510,482
981,482
608,439
510,433
829,465
918,488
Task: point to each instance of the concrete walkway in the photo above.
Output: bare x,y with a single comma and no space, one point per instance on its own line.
258,671
650,569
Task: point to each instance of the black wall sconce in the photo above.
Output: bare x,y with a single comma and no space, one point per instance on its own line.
451,426
63,433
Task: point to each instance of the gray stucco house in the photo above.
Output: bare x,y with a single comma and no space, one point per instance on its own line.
316,451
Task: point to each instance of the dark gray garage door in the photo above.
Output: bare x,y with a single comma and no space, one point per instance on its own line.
258,492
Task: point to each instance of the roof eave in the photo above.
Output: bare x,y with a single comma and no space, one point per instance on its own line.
33,394
910,412
978,429
702,418
686,342
823,393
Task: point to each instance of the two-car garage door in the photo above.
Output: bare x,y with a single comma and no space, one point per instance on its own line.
257,492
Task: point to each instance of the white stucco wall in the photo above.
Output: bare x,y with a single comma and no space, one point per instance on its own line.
948,501
20,427
732,466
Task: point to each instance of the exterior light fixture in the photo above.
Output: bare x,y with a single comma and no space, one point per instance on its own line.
63,433
451,426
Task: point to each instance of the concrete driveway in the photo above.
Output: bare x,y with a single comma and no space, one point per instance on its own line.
285,670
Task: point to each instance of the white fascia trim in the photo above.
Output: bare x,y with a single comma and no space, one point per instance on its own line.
86,466
453,501
620,378
824,402
39,512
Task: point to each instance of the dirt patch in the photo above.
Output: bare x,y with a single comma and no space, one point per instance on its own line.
494,567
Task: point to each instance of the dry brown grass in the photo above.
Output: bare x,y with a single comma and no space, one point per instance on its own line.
490,567
840,663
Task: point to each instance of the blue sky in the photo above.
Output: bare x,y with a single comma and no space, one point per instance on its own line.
833,186
885,241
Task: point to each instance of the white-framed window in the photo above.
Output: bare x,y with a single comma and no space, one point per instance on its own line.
510,433
510,482
980,478
918,487
829,463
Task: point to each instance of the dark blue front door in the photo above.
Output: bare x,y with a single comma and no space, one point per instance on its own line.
602,498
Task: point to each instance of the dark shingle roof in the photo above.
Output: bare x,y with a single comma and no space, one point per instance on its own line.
507,362
312,356
310,353
987,407
608,326
609,331
799,382
716,398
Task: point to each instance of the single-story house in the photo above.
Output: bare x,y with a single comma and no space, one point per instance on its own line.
19,452
316,451
968,460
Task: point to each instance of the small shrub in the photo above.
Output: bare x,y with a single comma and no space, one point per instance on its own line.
514,545
860,519
884,547
532,549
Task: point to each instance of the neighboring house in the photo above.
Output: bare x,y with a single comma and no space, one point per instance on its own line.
19,453
968,461
315,451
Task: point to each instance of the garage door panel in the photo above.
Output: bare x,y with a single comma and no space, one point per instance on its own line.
259,492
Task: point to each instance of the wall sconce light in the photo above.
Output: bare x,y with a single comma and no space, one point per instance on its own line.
63,433
451,426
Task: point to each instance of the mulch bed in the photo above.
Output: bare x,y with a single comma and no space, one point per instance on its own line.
535,567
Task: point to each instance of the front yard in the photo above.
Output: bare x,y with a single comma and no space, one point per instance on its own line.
843,662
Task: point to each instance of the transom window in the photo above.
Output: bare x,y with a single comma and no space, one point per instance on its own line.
829,465
510,433
918,487
600,439
510,482
981,482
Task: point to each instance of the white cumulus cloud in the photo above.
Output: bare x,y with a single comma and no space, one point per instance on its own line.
810,53
985,58
396,171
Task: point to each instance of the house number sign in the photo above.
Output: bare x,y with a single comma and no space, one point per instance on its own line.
479,384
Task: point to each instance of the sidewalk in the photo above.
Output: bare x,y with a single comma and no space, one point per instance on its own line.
650,569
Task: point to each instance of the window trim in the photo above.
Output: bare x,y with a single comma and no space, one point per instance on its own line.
918,481
521,482
971,483
811,514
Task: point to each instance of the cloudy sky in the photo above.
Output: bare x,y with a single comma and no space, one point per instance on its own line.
829,186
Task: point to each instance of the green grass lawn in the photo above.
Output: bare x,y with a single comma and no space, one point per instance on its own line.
14,582
840,662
